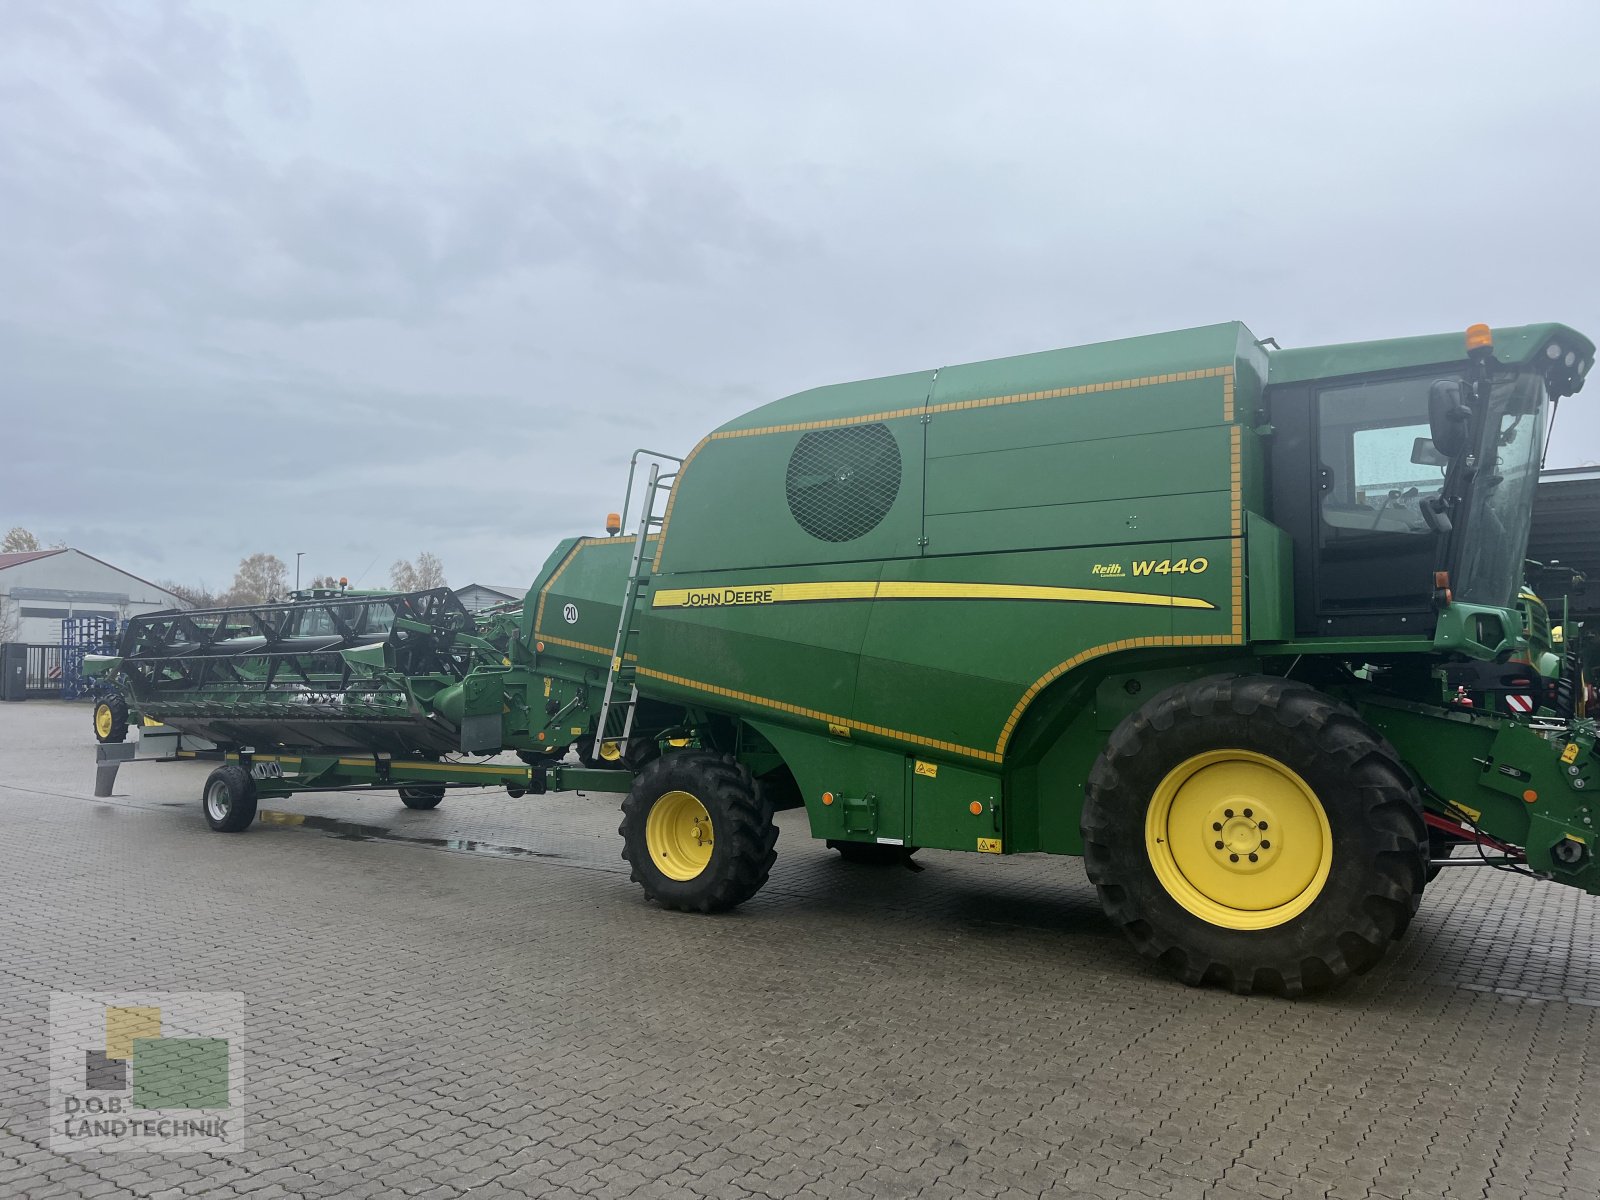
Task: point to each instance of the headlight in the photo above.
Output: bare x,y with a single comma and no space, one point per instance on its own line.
1553,350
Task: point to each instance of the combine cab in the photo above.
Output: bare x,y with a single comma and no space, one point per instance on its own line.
1239,627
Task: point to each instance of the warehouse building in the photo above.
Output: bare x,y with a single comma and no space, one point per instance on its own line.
41,588
480,596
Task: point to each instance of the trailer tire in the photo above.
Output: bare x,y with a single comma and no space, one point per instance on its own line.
229,799
872,854
697,832
1178,843
422,795
111,718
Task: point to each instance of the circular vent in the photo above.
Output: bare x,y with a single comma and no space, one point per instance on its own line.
842,482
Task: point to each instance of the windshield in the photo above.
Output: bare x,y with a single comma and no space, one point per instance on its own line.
1500,504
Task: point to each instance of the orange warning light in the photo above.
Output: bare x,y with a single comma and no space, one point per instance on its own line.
1479,337
613,523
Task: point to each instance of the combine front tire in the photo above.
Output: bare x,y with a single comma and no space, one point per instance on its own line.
229,799
423,795
1252,832
111,719
697,832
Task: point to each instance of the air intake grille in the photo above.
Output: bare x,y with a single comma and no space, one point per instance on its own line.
842,482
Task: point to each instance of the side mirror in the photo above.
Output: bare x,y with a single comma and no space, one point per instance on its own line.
1425,454
1447,417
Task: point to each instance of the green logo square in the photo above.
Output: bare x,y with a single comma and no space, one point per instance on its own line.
180,1072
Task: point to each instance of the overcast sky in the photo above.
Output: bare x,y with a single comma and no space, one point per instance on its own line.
365,279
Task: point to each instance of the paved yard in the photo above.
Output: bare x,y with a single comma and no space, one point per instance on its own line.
476,1001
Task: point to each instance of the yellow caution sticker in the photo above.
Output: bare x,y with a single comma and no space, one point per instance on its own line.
1472,814
577,731
988,845
931,770
546,683
838,730
1570,754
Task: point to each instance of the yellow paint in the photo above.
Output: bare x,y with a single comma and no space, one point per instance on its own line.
124,1024
1573,837
151,721
988,845
1253,805
678,834
931,770
1570,754
103,719
274,817
801,593
837,726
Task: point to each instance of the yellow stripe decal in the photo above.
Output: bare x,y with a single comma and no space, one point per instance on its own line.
835,723
800,593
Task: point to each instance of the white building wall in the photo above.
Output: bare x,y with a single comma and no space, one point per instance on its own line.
71,583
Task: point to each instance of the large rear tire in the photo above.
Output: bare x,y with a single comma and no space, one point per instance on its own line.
697,832
1253,832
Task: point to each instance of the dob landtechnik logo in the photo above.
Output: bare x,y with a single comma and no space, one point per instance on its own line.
156,1071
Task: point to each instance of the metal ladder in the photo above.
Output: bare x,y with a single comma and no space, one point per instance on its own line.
619,673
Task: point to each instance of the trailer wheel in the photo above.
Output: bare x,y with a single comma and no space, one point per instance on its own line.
872,854
423,795
1252,832
229,799
697,832
111,719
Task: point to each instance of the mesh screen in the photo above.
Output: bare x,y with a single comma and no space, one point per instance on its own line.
842,482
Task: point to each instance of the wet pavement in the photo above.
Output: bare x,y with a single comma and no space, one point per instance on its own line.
475,1000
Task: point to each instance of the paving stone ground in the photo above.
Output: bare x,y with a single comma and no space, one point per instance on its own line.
445,1022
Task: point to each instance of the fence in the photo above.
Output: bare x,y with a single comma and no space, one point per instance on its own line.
43,674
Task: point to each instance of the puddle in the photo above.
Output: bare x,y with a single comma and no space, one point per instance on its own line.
352,831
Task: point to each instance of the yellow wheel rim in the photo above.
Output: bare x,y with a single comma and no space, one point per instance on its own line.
678,835
1238,839
102,720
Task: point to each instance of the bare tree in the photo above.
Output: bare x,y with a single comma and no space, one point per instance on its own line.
260,578
426,572
10,622
18,540
198,595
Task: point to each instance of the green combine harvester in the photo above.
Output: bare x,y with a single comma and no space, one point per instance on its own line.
1230,623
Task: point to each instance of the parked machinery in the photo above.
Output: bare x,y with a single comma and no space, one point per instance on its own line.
1184,606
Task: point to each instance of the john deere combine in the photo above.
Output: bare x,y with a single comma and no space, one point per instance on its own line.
1194,610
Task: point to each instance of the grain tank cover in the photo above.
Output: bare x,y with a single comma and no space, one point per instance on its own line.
855,472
